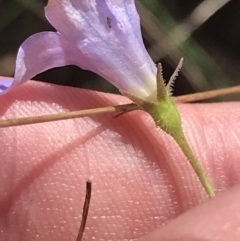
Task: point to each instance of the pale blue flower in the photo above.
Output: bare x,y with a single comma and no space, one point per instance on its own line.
102,36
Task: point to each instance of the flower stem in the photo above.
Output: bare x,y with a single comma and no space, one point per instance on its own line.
183,144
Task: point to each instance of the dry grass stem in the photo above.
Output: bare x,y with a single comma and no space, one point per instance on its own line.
208,94
67,115
110,109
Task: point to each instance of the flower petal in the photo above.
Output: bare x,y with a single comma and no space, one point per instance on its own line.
109,34
40,52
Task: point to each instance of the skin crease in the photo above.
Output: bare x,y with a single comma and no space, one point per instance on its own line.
141,180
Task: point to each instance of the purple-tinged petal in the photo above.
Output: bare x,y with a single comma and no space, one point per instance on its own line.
109,34
5,83
41,52
99,35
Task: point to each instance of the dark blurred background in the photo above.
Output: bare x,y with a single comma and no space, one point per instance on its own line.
205,32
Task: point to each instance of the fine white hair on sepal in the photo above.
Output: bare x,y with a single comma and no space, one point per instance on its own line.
172,79
160,69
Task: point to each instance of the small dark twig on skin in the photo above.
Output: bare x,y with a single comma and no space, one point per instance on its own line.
127,110
85,210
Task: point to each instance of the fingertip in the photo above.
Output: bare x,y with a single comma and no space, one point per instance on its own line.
217,219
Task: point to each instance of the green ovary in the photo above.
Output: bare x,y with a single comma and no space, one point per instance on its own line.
166,116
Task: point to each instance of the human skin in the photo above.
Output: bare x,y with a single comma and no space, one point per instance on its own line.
141,180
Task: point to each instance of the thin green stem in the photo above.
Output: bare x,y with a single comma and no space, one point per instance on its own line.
183,144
